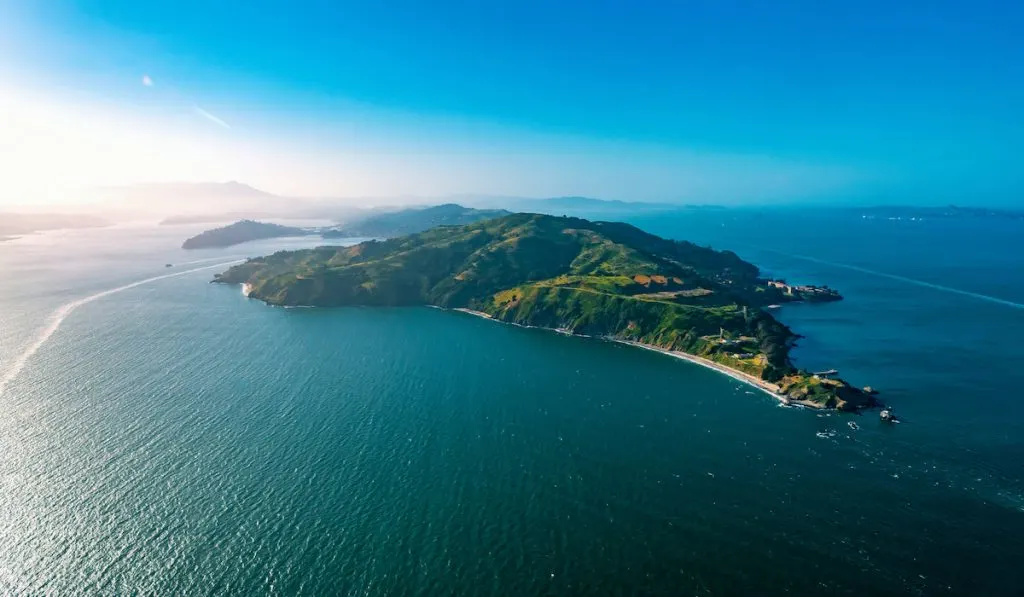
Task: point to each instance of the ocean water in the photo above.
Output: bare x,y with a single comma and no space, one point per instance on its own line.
173,437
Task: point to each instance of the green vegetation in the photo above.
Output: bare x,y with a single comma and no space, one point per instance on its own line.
824,392
596,278
411,220
239,232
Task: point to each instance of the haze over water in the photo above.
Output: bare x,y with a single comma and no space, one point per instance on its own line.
174,437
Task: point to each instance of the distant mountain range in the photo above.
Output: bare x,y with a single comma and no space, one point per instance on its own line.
410,220
190,203
190,198
564,205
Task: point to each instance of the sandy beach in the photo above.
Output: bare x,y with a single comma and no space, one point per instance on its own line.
472,312
760,384
766,387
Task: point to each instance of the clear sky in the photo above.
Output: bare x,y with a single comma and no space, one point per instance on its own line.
719,101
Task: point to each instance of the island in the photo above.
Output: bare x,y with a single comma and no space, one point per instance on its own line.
604,279
410,220
240,232
806,292
379,225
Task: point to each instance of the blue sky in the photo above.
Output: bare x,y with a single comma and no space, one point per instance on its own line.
703,100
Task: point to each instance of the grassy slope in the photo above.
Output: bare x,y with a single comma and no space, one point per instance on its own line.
595,278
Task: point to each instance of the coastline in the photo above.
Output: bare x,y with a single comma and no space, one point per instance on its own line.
470,312
766,387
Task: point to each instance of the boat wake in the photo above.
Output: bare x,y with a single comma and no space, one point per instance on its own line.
209,259
864,270
62,312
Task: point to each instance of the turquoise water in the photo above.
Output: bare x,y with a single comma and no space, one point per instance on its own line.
177,438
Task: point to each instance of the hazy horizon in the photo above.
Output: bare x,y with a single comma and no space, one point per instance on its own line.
237,199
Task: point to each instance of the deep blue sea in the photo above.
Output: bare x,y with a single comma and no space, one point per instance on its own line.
163,435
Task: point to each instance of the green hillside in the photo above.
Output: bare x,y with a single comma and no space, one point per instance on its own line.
595,278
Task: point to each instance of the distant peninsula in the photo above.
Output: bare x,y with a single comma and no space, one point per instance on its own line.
604,279
208,219
240,232
948,212
12,224
410,220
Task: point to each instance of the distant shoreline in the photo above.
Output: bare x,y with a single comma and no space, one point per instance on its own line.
766,387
